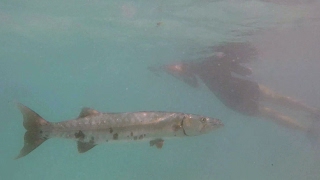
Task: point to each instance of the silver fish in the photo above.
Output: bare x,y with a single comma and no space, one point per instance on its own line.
93,127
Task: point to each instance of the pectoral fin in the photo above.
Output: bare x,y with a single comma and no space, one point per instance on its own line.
176,127
85,146
157,142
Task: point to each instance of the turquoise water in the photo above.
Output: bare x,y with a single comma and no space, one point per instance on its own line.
57,57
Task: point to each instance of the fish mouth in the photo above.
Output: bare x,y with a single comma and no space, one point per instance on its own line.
211,124
215,123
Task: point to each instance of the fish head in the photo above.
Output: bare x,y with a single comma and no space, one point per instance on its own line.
196,125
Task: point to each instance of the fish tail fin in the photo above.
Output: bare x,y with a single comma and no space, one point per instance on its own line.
34,136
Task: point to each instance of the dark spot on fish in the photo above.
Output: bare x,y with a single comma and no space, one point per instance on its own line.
79,135
135,138
115,136
41,131
131,134
110,130
141,136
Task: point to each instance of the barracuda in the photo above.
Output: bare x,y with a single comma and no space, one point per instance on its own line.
93,127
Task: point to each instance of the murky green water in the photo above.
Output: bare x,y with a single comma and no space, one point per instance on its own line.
57,57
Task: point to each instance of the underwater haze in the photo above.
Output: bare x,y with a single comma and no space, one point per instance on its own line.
57,57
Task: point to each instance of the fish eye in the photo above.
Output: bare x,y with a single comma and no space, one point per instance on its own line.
203,120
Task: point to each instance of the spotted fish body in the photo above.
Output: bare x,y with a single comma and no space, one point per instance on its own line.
93,127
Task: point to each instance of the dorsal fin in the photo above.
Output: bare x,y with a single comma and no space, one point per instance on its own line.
88,112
